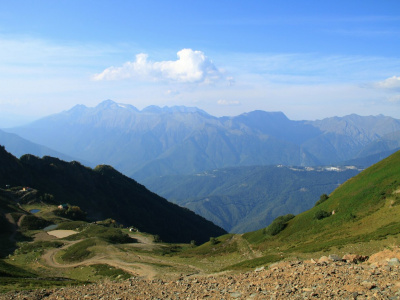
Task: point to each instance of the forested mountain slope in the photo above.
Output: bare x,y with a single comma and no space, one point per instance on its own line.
242,199
104,193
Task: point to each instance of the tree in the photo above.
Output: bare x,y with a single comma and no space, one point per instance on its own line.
72,212
322,199
321,214
213,241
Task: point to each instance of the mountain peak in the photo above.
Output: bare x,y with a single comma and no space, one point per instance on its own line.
110,104
106,104
173,109
273,115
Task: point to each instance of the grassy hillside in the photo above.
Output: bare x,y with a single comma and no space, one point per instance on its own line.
366,208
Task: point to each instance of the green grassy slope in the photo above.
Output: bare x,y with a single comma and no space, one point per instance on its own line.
366,209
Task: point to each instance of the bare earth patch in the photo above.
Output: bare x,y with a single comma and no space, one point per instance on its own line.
382,257
61,233
43,236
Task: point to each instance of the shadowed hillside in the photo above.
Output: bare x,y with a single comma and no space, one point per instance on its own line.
105,193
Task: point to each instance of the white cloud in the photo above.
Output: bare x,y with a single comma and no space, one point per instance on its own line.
390,83
228,103
191,66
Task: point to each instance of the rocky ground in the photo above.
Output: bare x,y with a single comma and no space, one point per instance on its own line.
326,278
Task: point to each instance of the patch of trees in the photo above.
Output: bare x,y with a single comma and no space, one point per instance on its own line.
72,213
110,223
322,214
278,224
31,222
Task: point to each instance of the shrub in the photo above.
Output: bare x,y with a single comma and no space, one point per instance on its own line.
116,237
321,214
72,212
110,223
30,222
47,198
72,225
157,239
278,224
322,199
79,251
108,234
213,241
39,246
111,272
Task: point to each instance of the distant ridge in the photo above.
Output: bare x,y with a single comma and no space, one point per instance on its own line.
19,146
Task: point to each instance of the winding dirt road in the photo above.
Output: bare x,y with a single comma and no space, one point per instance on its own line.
143,268
137,269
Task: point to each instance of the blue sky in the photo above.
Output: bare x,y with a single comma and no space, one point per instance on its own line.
308,59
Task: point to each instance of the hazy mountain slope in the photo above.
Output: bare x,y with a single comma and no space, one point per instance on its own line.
242,199
105,193
181,140
347,137
366,208
273,124
211,148
116,134
19,146
370,159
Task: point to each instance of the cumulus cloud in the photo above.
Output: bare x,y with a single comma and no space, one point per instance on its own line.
228,103
191,66
390,83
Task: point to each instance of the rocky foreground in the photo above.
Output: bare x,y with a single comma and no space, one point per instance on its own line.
327,278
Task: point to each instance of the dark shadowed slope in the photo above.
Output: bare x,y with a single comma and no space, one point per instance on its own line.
104,193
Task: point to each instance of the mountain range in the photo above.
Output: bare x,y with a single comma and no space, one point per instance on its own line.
184,140
104,193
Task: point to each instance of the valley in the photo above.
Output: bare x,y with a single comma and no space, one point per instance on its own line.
242,199
360,219
186,150
66,226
